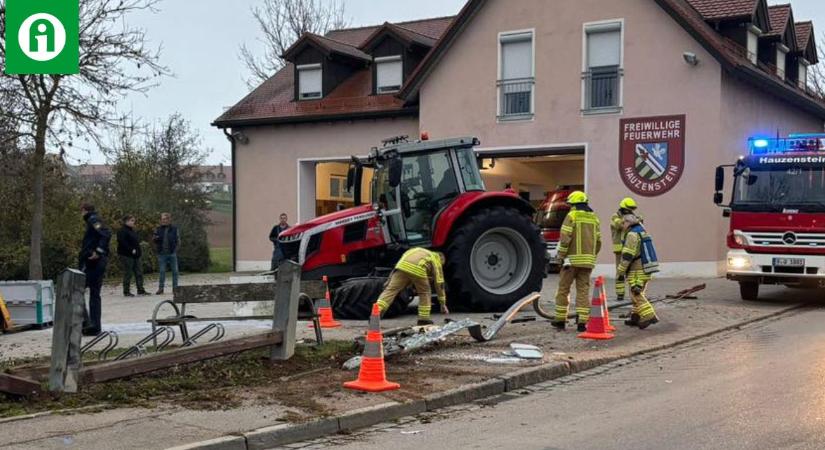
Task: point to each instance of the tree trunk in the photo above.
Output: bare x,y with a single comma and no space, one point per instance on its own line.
35,260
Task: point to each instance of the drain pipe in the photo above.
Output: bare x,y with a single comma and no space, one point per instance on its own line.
232,140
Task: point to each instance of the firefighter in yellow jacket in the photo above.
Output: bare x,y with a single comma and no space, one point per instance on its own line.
643,314
580,242
418,267
617,231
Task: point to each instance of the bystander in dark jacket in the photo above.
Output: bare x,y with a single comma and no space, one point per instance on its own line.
128,249
167,241
94,254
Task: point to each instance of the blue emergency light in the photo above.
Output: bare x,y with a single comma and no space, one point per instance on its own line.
794,143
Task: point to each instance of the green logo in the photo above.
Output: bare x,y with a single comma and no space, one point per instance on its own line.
42,37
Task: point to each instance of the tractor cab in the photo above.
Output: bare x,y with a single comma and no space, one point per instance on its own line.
414,181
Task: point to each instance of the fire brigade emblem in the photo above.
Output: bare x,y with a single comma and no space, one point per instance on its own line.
651,160
652,153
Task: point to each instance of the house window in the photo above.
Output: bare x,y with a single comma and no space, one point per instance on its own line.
753,45
388,74
309,82
781,58
803,74
603,67
516,76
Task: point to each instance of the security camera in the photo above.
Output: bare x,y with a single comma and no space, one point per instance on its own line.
240,137
690,58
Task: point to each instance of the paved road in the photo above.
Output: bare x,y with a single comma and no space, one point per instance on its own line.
761,387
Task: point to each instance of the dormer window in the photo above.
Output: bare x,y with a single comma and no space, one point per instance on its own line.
803,73
781,60
753,43
309,82
388,74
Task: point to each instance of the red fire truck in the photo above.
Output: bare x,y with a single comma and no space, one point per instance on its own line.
777,214
549,217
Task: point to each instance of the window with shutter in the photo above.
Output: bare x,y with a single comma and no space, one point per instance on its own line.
389,72
309,82
603,67
516,79
781,57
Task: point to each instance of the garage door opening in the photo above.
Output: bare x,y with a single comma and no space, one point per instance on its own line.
533,177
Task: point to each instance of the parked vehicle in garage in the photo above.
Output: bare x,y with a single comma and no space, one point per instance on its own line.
549,218
425,194
777,214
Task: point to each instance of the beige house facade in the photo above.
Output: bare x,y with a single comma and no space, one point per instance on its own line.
558,93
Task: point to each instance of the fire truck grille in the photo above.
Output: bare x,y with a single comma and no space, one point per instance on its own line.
789,239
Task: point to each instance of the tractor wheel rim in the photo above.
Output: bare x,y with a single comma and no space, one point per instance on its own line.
500,260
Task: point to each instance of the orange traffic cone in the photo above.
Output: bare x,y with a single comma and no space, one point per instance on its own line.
325,310
597,325
372,377
606,312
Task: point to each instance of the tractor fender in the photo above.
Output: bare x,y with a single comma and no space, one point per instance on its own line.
468,202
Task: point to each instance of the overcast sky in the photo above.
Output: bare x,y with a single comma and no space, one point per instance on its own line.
200,40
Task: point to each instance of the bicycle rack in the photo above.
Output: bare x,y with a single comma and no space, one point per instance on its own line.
139,348
111,345
220,332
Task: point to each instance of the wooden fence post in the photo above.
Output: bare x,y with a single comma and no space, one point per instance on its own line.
285,318
68,328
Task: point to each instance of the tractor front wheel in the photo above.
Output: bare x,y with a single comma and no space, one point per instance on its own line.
353,299
495,258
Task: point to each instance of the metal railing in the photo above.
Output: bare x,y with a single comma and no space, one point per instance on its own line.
515,97
602,87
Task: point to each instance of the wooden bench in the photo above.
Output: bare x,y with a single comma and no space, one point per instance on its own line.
235,293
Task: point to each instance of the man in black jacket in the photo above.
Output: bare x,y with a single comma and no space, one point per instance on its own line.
167,242
128,249
277,253
92,260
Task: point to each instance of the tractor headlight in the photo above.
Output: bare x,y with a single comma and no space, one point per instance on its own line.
739,262
291,238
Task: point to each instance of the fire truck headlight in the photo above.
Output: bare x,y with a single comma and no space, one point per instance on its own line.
740,238
739,262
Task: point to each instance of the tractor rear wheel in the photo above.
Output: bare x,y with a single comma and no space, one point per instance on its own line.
353,299
495,257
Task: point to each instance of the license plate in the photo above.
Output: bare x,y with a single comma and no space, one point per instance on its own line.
789,262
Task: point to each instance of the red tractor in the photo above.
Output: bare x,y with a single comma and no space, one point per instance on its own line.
424,194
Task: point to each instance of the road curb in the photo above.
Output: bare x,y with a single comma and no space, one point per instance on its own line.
289,433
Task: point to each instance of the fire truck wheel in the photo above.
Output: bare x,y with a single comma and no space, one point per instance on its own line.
353,299
495,257
749,290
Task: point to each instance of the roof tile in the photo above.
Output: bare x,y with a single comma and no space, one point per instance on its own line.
724,9
779,15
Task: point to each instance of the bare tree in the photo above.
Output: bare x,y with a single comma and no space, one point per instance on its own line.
816,77
282,22
55,110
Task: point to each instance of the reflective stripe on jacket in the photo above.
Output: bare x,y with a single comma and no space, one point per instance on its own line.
632,261
581,238
422,263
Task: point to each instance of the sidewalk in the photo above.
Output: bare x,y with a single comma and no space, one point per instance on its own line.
461,361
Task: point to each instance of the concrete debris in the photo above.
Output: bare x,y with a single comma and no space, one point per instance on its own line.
503,360
526,351
352,363
412,432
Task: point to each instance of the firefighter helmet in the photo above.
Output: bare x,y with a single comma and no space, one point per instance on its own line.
628,203
577,197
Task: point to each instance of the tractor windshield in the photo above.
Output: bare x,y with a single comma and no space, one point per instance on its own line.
775,189
428,184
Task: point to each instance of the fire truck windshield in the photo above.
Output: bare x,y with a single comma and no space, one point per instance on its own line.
774,189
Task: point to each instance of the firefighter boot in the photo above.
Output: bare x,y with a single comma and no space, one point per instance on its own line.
633,320
423,322
559,324
646,323
581,327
